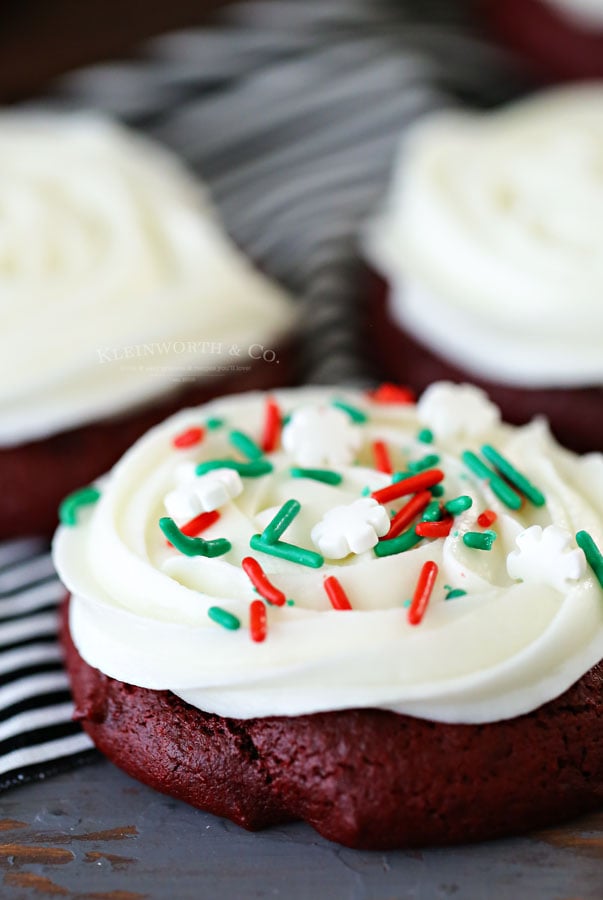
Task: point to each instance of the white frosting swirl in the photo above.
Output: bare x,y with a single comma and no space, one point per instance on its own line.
115,278
492,239
140,609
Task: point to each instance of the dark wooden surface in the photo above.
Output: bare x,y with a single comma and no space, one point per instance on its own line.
95,834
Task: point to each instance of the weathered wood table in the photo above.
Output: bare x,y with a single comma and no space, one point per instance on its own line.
95,834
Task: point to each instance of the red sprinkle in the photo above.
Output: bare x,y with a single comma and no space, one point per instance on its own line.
258,626
411,485
260,581
199,524
272,426
435,529
336,594
188,438
486,518
404,516
383,462
392,393
422,593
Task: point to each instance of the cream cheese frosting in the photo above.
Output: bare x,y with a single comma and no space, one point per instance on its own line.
117,283
504,630
492,239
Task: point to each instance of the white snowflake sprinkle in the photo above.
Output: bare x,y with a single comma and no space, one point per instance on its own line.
321,436
543,557
353,528
202,493
457,410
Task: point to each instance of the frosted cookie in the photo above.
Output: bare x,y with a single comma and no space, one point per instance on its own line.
558,38
380,617
121,298
491,246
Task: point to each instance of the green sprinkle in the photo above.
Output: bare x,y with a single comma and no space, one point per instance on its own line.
290,602
324,475
404,541
479,540
290,552
214,423
246,470
406,603
437,490
457,592
245,445
399,476
355,414
286,419
593,555
279,524
192,546
425,436
69,507
432,512
224,618
427,462
500,488
511,474
458,505
365,491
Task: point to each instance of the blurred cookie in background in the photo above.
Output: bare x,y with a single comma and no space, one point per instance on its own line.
560,39
490,249
122,299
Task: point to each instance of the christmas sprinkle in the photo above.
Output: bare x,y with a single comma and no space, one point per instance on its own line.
435,529
499,486
428,462
324,475
433,512
192,546
224,618
458,505
410,485
420,599
383,461
392,393
425,436
279,524
70,506
247,470
199,524
272,426
593,555
290,552
214,423
355,414
188,438
516,478
487,518
261,583
457,592
409,511
399,544
258,622
245,445
336,593
479,540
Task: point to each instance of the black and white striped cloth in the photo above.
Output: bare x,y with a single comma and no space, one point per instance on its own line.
290,110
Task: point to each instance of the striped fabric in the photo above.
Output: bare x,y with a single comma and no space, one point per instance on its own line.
291,110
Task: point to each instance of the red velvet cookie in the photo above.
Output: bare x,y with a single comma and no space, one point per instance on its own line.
366,778
384,618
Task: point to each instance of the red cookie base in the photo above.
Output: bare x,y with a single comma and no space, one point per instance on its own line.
368,778
573,413
36,476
